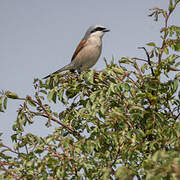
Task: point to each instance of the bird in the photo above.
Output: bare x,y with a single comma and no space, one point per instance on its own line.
87,52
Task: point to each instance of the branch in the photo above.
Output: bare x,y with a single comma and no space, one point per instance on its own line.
7,171
174,69
63,125
177,117
149,60
8,148
55,120
135,83
38,102
138,70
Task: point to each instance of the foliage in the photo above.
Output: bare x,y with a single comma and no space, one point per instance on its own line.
119,123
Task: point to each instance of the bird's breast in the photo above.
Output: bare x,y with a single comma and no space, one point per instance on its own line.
93,48
95,41
89,54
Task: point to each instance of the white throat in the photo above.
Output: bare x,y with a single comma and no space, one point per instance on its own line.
97,34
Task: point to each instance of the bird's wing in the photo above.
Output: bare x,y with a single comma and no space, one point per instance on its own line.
79,48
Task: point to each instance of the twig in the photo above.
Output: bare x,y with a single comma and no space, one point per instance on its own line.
177,117
174,69
138,177
136,84
7,171
55,120
9,149
38,102
63,125
149,60
26,149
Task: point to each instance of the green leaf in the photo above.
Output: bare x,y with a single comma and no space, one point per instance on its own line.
43,91
119,70
54,96
31,103
5,103
11,95
89,77
177,45
136,108
49,139
177,75
141,95
177,64
175,85
171,7
166,51
123,173
1,108
111,88
151,54
151,44
144,67
93,96
58,173
14,137
50,95
125,60
126,86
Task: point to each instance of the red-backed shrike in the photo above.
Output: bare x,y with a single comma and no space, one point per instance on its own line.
87,52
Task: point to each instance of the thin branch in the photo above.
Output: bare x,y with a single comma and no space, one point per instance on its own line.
138,177
55,120
9,149
174,69
38,102
7,171
136,84
26,149
149,60
116,158
63,125
177,117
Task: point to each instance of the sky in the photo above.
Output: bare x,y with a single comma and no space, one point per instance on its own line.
38,37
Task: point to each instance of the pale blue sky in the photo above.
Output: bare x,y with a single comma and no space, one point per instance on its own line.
39,36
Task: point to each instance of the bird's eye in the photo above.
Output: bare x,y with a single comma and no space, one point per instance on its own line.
98,29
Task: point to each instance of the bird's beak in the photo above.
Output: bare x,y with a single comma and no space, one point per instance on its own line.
106,30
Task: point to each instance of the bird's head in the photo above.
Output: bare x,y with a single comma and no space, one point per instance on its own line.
96,30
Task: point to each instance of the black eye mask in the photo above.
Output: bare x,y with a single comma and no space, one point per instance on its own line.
98,29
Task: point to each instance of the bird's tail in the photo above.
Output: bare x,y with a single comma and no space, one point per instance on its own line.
67,67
